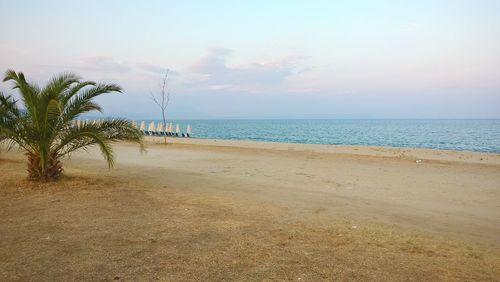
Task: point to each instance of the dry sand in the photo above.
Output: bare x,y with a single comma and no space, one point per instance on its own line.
235,210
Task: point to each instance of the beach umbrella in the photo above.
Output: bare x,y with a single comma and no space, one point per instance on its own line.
143,126
188,130
165,128
177,129
170,128
151,127
159,128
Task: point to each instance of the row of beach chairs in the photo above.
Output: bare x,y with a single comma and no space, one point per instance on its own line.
154,130
162,130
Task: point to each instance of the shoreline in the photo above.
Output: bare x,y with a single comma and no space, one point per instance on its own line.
406,153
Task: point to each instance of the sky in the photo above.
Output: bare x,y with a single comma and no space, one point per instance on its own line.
267,59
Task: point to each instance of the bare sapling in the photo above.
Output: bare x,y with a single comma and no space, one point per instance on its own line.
161,100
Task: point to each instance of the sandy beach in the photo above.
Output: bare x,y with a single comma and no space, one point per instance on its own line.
199,209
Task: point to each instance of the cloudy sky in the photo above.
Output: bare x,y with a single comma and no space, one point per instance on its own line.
268,59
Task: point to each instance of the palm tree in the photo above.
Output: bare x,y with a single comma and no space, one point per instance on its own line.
46,128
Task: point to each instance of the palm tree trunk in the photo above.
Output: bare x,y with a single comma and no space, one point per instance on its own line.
53,168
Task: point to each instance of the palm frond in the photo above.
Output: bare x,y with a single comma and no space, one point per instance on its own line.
29,92
73,90
13,124
101,133
59,84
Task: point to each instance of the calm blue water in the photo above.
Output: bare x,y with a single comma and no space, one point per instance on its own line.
474,135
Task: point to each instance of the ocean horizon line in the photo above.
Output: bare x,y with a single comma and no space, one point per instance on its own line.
257,119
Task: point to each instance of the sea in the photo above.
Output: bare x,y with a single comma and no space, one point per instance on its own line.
482,135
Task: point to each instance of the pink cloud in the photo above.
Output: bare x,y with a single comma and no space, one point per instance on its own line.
103,63
255,77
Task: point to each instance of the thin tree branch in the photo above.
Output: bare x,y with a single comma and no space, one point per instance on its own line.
164,96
